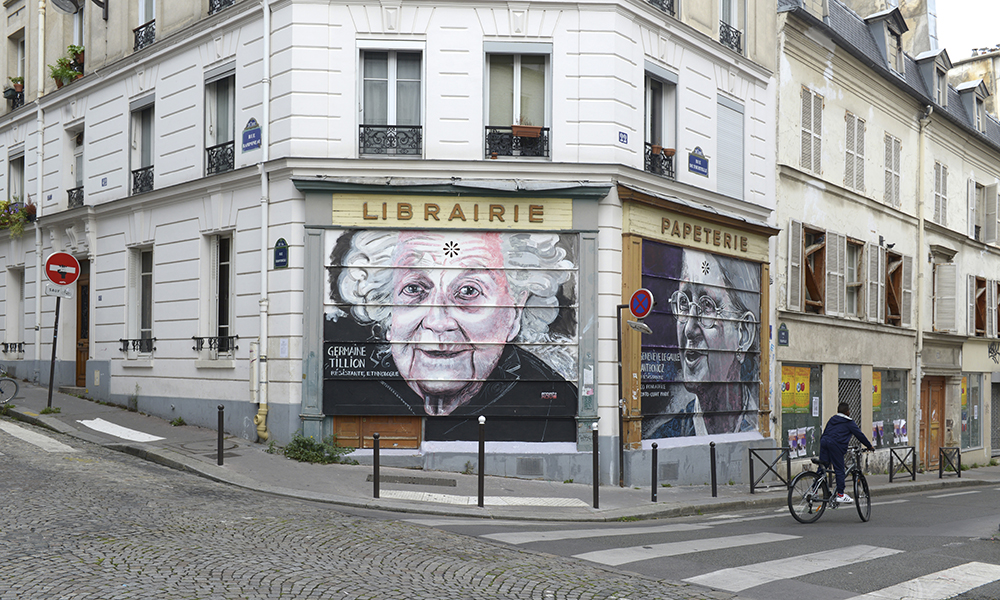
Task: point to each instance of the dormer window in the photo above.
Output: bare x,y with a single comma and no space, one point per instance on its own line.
941,87
980,121
894,45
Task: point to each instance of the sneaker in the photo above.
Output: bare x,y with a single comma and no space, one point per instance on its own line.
844,499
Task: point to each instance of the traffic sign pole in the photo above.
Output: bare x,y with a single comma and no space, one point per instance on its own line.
52,365
62,269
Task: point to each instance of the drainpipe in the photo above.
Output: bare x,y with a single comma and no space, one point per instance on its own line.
925,122
261,419
40,161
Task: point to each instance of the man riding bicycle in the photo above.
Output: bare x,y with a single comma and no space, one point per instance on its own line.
833,445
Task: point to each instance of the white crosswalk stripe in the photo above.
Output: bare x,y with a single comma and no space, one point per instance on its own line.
741,578
528,537
118,431
954,494
938,586
621,556
36,439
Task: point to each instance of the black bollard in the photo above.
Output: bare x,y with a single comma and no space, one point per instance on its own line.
597,468
711,452
482,458
222,412
375,465
652,475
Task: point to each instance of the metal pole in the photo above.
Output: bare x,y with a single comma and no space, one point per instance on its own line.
959,463
482,458
711,452
52,365
652,475
913,471
375,465
891,465
222,413
597,467
752,480
621,405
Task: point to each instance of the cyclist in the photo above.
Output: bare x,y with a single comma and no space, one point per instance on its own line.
833,445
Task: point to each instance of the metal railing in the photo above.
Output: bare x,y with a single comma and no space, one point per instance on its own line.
405,140
142,180
953,456
659,163
769,467
17,101
910,457
501,141
145,35
10,347
74,197
730,37
220,158
222,343
215,6
666,6
141,345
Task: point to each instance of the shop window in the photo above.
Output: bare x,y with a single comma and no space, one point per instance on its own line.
982,307
854,160
812,131
801,408
982,212
391,111
893,152
889,410
940,194
517,105
945,303
660,104
972,410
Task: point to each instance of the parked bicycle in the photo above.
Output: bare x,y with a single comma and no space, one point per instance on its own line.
8,386
810,492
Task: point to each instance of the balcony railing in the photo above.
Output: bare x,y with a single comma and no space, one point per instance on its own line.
729,37
141,345
222,344
12,347
75,197
405,140
17,101
659,163
501,141
221,157
215,6
142,180
145,35
666,6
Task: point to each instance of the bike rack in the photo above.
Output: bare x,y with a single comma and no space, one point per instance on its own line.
910,457
954,458
769,467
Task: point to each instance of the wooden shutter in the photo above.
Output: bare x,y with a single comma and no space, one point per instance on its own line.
971,196
897,152
990,225
817,124
944,196
876,283
806,157
945,302
836,268
972,306
849,162
134,273
794,265
859,156
812,131
991,308
906,301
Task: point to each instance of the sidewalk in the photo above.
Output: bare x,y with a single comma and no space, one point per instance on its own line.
413,491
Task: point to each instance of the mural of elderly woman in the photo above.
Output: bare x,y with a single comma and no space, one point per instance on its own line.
459,312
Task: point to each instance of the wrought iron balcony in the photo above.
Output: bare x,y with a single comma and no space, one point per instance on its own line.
666,6
17,101
658,162
75,199
141,345
145,35
729,37
501,141
215,6
405,140
221,157
223,344
12,347
142,180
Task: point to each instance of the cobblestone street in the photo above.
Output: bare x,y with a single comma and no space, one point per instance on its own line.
104,525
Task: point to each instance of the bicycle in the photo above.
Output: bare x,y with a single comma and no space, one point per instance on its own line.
8,386
809,493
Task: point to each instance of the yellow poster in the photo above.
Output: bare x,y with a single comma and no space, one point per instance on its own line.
788,380
802,391
965,386
876,391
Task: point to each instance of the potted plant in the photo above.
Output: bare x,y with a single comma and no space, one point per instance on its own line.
655,148
524,128
18,83
30,211
76,53
12,216
668,152
63,72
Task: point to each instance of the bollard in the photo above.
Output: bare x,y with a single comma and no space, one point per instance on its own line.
711,452
652,475
222,412
892,467
375,464
482,458
597,467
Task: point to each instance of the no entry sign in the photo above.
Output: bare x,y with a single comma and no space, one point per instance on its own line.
641,303
62,268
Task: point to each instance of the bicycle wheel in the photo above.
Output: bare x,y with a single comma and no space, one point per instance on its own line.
807,495
8,389
862,499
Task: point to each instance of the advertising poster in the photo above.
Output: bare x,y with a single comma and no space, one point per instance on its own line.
876,391
789,379
802,405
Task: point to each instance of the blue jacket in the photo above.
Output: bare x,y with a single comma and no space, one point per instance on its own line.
839,430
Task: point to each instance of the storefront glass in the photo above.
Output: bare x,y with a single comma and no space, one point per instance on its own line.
972,410
889,424
801,408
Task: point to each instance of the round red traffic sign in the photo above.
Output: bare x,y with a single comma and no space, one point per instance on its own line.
62,268
641,303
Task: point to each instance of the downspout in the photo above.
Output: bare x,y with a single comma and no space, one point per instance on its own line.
925,121
40,161
261,419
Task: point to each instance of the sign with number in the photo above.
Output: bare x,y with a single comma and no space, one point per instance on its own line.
62,268
641,303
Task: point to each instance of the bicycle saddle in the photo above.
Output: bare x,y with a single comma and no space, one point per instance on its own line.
816,461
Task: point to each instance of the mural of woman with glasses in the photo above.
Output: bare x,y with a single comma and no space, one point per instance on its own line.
701,369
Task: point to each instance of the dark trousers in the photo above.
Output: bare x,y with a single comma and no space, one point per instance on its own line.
830,453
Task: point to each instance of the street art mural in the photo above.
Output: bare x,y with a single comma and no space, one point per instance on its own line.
701,365
452,325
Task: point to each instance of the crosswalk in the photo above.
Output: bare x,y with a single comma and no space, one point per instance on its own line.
35,439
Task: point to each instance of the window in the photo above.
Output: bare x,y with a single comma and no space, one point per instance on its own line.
982,307
888,407
142,149
944,301
78,27
14,308
15,174
941,87
660,121
854,276
74,192
812,131
145,33
221,340
140,292
809,254
391,103
854,161
893,150
220,126
729,25
875,277
980,121
516,105
730,151
983,212
898,294
940,194
972,410
894,43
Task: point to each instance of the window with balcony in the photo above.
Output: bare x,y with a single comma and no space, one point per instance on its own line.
391,103
142,149
517,105
218,303
75,194
667,6
15,177
13,343
893,153
940,194
812,131
854,159
660,121
15,66
220,124
215,6
730,34
139,326
729,126
145,33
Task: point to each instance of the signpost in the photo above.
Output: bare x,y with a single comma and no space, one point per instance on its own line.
640,305
62,269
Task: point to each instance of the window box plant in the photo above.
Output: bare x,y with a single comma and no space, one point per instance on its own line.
63,72
76,55
524,128
14,214
18,83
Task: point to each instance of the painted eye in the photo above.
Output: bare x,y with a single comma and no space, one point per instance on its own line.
468,292
412,289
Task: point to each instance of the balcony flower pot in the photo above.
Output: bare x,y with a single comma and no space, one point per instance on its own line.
9,93
668,152
655,148
18,82
528,131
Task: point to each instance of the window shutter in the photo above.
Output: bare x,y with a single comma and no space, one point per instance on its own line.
991,308
972,306
795,265
132,316
859,157
873,282
990,226
897,151
945,301
213,282
937,192
730,163
836,256
806,158
888,169
971,196
944,196
906,302
817,123
849,161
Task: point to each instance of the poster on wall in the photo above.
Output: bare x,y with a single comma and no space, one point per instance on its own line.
450,325
701,365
